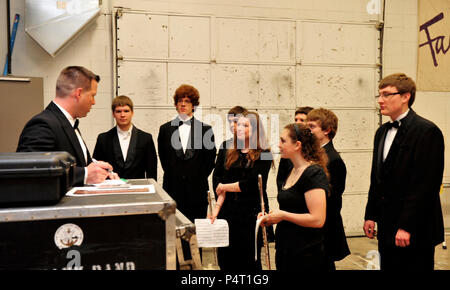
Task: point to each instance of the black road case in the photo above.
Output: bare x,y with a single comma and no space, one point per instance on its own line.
97,232
35,178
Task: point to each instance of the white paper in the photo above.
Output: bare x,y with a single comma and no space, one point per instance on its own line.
109,183
258,223
149,187
212,235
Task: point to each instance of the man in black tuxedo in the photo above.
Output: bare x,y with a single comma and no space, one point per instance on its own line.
187,152
56,128
324,124
407,169
128,149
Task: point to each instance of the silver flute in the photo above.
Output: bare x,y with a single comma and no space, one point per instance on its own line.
264,232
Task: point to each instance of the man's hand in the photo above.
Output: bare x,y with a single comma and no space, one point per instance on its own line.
369,229
402,238
99,171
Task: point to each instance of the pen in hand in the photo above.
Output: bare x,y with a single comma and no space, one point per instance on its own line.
109,170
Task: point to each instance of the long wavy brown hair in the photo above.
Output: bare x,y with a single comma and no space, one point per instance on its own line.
311,149
256,144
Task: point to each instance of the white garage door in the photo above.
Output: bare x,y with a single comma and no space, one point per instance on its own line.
268,65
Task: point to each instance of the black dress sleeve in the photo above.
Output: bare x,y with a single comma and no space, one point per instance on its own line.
315,177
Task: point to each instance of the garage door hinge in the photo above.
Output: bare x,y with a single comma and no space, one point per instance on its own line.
379,25
119,13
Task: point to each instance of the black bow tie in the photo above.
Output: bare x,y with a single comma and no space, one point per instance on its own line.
75,126
395,124
188,122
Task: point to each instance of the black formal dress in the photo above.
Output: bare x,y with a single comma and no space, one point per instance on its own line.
404,193
51,131
241,209
141,159
336,247
186,173
300,248
228,144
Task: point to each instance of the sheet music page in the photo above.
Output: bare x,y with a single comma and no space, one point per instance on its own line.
212,235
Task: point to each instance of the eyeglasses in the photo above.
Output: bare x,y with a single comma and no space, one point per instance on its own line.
387,95
186,101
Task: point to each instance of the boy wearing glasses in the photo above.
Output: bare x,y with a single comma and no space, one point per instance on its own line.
407,169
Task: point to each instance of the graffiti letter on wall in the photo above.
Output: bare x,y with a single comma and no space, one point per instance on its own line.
438,41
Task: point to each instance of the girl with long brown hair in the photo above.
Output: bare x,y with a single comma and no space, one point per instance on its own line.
235,182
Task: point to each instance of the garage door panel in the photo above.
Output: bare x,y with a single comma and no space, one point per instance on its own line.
337,43
236,85
237,39
189,38
144,82
276,85
355,130
255,40
277,41
358,166
148,41
336,86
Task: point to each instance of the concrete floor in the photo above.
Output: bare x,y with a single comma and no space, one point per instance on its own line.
363,256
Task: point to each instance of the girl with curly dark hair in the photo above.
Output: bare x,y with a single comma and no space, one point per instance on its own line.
299,240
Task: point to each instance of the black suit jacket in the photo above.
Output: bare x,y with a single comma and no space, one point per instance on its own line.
141,155
336,247
186,174
404,189
51,131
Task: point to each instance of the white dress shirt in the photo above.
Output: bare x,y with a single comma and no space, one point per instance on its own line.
124,140
390,136
184,131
